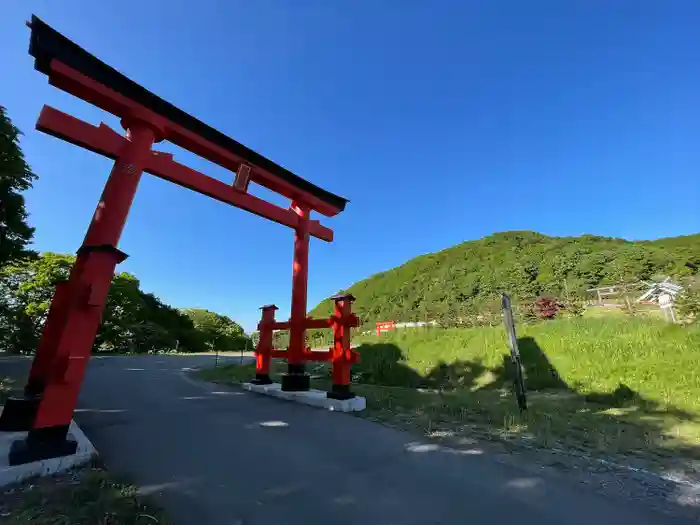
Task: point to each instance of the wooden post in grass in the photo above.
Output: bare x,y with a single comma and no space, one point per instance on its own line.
519,382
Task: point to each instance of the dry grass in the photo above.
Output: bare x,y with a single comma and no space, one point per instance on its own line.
84,496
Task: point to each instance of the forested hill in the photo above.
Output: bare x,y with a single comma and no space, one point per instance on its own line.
468,277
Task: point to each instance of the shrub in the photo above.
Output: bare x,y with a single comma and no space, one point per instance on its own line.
575,308
547,307
688,304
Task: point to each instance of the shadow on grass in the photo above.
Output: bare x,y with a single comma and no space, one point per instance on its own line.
384,364
540,374
468,398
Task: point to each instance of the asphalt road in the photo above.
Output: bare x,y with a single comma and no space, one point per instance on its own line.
219,456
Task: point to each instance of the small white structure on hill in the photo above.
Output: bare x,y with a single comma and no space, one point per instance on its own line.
666,290
666,305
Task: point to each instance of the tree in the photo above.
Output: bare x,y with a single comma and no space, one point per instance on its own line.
139,322
125,313
688,302
133,321
26,290
218,332
15,177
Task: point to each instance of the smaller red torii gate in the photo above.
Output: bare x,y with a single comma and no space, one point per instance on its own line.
75,313
341,355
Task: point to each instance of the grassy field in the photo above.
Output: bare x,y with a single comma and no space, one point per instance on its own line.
86,495
626,389
591,356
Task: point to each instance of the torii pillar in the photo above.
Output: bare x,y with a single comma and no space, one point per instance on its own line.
67,346
296,379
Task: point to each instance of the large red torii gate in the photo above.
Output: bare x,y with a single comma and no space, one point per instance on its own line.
75,313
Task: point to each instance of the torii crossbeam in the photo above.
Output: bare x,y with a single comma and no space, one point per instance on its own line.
75,314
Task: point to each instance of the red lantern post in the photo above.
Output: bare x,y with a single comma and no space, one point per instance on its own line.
263,351
342,356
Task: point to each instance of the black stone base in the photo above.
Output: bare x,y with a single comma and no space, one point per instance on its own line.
34,387
340,392
262,379
296,382
19,413
42,443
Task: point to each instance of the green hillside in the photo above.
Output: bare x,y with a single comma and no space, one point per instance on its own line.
465,279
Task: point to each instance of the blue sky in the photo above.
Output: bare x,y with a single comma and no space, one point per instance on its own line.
441,122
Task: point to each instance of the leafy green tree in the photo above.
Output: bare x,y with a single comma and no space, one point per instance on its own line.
139,322
26,289
15,177
133,321
217,331
688,302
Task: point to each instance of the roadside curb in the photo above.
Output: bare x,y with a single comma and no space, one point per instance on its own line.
312,397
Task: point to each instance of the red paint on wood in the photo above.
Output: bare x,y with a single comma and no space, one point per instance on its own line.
343,356
46,349
74,82
89,281
300,273
264,350
318,323
105,141
386,326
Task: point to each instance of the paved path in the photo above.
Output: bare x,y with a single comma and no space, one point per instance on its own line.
212,455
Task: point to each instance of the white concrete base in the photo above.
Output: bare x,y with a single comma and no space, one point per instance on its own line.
16,473
315,398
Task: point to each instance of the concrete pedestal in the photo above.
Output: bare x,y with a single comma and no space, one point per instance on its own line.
316,398
46,467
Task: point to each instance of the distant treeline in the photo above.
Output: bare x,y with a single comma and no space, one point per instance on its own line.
133,320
